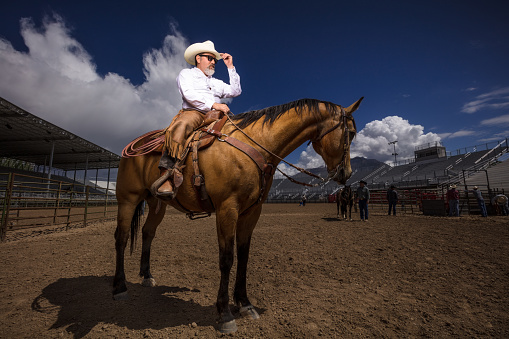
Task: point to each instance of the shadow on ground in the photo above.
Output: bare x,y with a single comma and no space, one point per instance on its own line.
84,302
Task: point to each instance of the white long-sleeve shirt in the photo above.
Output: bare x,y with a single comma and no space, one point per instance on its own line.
200,92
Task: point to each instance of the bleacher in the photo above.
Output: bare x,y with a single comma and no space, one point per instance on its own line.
454,168
42,181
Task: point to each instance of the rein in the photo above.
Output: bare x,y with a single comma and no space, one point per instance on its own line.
302,170
343,120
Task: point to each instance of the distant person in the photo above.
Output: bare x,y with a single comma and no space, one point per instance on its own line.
201,94
392,197
303,200
501,203
363,199
480,200
453,197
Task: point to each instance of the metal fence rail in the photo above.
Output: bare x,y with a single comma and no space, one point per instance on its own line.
411,201
29,202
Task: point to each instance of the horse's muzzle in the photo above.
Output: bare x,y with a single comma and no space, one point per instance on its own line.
339,175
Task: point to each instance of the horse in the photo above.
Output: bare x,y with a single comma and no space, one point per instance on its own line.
344,199
233,185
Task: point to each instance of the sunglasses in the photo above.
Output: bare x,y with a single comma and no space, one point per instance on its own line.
209,57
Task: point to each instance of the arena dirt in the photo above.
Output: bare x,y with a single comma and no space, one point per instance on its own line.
309,275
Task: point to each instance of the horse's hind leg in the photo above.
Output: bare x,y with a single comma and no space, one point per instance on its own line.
149,231
127,211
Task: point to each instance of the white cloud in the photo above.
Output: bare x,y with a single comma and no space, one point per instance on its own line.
501,120
57,81
496,137
457,134
492,100
372,142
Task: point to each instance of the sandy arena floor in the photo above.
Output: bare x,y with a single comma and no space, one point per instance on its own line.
309,275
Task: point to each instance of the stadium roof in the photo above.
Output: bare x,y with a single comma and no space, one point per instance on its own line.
29,138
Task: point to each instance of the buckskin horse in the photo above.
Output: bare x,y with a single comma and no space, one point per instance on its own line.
344,199
236,185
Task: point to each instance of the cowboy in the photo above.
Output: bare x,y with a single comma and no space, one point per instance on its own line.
363,199
480,200
501,202
453,196
392,197
201,93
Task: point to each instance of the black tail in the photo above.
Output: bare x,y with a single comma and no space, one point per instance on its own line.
135,224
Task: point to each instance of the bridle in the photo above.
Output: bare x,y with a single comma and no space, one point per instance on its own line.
332,175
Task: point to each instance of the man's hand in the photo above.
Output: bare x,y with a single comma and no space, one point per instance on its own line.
221,107
228,59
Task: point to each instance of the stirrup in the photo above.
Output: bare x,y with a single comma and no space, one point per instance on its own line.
160,181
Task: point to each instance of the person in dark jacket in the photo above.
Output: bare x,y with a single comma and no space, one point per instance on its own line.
363,200
392,197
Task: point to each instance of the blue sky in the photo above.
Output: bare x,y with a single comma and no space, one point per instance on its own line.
429,70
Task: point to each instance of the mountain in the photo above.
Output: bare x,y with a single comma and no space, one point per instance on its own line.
357,163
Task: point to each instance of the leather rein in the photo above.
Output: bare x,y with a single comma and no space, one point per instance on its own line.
332,174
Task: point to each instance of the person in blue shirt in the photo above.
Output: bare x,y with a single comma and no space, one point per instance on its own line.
480,200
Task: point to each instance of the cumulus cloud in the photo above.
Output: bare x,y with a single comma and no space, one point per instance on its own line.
496,99
372,142
57,81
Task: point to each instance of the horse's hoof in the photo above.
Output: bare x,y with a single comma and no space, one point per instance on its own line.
150,282
121,296
249,311
228,327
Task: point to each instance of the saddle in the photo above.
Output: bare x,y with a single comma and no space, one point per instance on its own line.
202,138
154,141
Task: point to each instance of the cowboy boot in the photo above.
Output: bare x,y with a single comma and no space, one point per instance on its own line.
166,189
162,187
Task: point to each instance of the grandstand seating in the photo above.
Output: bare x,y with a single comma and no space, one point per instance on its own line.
429,173
54,178
496,176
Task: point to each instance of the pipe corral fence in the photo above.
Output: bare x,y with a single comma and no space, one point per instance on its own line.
31,202
427,201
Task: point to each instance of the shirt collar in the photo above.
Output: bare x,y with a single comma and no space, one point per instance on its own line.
199,71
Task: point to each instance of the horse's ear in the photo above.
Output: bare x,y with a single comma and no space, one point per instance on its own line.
353,107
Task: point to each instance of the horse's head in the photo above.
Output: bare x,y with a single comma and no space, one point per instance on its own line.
333,142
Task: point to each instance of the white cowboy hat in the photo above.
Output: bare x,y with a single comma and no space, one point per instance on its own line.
475,187
200,47
500,199
453,186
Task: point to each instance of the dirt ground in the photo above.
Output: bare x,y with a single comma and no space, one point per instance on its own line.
309,275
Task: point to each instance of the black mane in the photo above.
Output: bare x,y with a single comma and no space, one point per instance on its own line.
271,114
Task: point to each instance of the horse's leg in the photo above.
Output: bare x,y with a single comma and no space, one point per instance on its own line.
126,213
149,231
245,227
350,209
337,203
226,221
